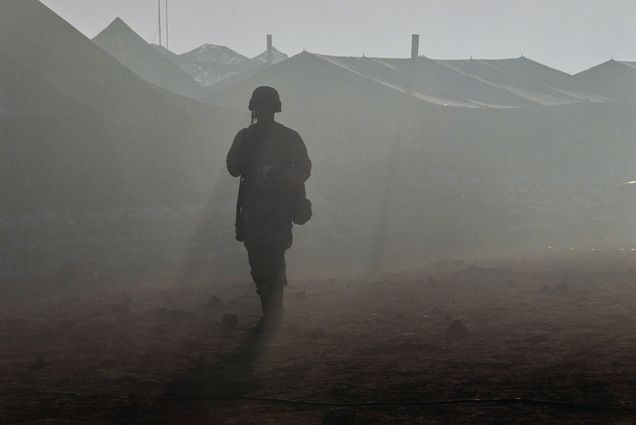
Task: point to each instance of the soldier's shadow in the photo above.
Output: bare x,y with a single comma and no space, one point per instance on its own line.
232,375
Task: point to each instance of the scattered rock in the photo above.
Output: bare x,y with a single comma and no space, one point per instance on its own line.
230,321
39,364
344,416
457,331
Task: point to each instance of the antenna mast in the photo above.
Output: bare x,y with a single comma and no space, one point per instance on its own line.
159,19
167,27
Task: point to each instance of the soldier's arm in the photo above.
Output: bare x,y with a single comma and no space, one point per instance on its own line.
301,166
235,160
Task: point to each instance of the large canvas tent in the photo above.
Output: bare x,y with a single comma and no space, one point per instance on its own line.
613,78
125,45
434,155
60,88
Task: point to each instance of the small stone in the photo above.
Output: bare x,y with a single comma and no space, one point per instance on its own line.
39,364
344,416
457,331
230,321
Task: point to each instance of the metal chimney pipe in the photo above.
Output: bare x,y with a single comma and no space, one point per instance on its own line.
270,52
159,19
415,46
167,27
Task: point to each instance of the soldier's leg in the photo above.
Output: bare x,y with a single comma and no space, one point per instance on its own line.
266,248
257,265
272,286
279,243
277,285
268,272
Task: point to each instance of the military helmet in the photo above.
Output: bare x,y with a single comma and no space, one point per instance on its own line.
265,98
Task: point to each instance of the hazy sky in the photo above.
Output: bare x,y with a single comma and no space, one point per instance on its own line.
567,34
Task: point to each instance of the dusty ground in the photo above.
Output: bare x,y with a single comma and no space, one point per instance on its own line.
561,328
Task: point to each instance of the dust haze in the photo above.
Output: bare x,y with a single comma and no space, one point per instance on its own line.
472,233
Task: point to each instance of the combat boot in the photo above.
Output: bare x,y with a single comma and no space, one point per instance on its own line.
272,305
274,315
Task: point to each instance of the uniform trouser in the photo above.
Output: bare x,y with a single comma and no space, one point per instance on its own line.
267,262
268,271
267,234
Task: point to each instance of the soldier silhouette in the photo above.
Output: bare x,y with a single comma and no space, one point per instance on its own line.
272,163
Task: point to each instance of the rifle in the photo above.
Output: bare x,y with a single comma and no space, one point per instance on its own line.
238,224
